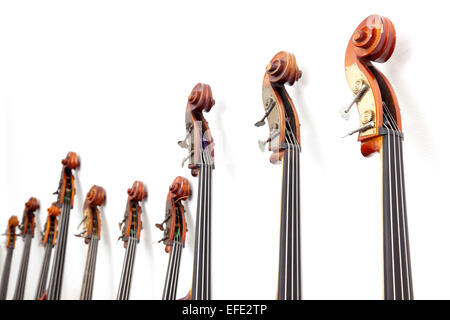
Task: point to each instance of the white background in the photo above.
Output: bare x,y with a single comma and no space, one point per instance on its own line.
110,80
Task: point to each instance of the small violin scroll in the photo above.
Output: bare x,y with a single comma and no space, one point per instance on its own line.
71,161
66,190
279,109
180,189
132,223
13,222
174,221
283,69
51,225
91,215
137,192
198,141
201,98
28,220
95,197
373,41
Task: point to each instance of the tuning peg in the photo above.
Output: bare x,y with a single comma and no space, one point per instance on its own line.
80,235
183,143
160,225
82,221
163,239
270,105
345,110
184,161
186,158
365,127
262,143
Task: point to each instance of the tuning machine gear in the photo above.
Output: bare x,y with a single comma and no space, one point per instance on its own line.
186,158
184,143
270,105
361,89
367,126
262,143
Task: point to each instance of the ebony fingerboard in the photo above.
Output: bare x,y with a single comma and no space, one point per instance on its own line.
5,274
43,277
201,284
397,263
22,278
289,273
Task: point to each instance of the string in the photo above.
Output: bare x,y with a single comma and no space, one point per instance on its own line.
91,288
44,271
179,247
405,226
54,291
399,247
169,275
83,295
22,278
123,268
127,270
170,287
290,226
6,273
89,273
198,235
396,232
122,289
130,274
210,167
167,284
207,258
201,289
297,223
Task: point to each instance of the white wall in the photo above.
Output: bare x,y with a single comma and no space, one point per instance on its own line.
110,80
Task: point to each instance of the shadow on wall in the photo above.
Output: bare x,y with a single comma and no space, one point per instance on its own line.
106,238
78,191
303,113
227,152
146,223
190,234
394,72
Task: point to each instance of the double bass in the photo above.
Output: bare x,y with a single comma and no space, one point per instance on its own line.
381,132
27,232
91,234
284,143
48,241
131,233
200,145
65,199
11,236
174,233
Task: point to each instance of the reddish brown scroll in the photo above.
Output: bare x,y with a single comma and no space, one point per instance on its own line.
92,222
132,223
67,183
13,222
175,220
50,232
201,141
28,220
381,131
281,114
373,41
